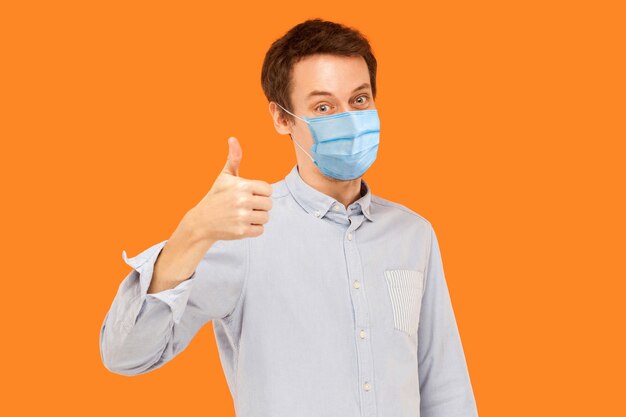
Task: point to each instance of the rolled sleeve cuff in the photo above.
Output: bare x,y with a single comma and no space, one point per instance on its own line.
176,298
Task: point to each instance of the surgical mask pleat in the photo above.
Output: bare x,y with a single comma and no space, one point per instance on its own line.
347,146
346,172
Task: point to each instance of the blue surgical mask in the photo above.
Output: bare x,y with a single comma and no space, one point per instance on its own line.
345,144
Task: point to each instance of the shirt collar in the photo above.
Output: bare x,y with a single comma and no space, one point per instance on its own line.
317,203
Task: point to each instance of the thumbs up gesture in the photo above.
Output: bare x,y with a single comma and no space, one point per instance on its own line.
234,207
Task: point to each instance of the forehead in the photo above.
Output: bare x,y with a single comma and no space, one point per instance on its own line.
338,75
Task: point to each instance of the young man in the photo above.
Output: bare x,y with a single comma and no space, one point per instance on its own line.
337,304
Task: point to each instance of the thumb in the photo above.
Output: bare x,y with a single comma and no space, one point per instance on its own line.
234,157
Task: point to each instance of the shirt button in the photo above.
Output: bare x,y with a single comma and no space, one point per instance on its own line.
362,334
317,213
367,386
336,207
356,284
349,236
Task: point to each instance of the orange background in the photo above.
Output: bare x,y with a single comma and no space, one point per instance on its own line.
502,123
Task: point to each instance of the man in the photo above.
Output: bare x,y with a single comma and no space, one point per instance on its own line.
337,304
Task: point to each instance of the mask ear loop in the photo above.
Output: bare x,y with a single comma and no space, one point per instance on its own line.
291,113
296,142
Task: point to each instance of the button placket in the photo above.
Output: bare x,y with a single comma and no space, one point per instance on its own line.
361,315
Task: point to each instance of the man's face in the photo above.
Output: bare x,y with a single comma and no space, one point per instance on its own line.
326,84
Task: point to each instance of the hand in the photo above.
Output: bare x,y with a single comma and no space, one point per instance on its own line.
235,207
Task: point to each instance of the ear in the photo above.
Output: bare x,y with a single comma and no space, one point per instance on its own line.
281,124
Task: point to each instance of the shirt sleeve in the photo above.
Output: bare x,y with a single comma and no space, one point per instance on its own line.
142,332
445,386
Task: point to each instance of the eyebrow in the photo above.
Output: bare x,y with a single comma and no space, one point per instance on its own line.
326,93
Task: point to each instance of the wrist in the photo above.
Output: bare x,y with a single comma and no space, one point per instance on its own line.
189,231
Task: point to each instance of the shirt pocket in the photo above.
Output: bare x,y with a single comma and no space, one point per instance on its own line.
405,288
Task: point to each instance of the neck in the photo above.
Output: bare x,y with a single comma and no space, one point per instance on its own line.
346,192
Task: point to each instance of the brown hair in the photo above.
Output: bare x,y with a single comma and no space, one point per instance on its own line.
313,36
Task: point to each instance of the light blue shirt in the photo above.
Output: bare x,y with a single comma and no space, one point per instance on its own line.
331,312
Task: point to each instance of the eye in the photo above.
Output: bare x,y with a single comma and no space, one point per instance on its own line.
318,108
364,97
